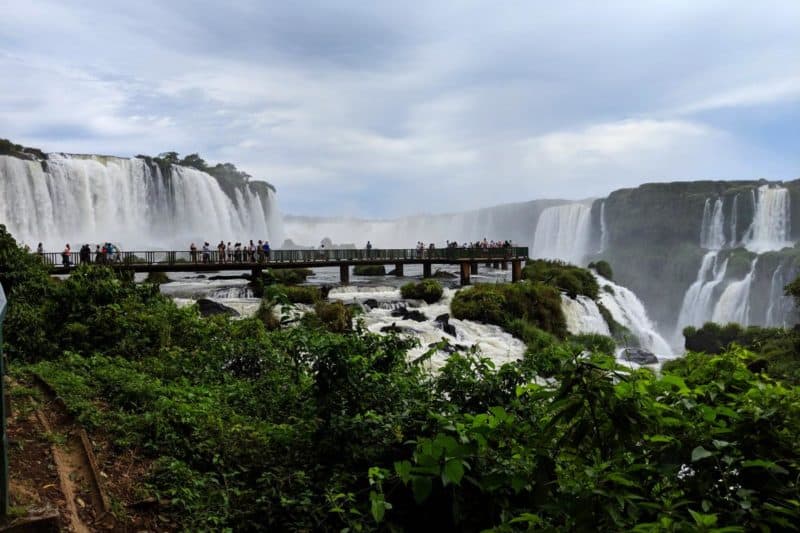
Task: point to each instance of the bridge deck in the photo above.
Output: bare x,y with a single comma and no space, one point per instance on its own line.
184,261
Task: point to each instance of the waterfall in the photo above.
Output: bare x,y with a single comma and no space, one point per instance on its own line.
734,303
90,199
626,308
583,316
563,232
603,228
771,221
697,306
712,233
781,308
734,219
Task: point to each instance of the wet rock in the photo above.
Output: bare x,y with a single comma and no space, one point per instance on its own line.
403,312
639,356
443,321
394,328
221,277
210,307
449,348
371,303
443,274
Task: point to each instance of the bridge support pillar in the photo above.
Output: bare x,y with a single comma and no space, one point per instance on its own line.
255,274
426,270
504,265
344,274
516,270
495,265
398,270
465,271
473,268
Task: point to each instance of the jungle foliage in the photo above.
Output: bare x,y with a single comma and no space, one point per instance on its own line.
569,278
532,302
311,428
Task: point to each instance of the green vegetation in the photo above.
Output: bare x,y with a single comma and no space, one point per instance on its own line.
777,348
603,268
323,426
369,270
157,277
569,278
501,304
17,150
295,294
279,276
428,290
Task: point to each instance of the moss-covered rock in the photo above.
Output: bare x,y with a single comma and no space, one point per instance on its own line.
569,278
296,294
501,304
427,290
335,316
369,270
603,268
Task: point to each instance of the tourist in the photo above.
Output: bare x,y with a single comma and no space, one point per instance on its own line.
65,256
97,257
206,253
251,250
230,252
237,252
40,250
193,253
266,250
260,251
85,254
221,252
369,248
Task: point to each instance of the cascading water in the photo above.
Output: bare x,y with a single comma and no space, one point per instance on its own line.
563,232
776,297
603,228
698,301
583,316
89,199
712,233
734,220
626,308
771,221
734,302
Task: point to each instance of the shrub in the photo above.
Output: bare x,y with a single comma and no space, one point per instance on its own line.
603,268
427,290
296,294
335,316
501,304
287,276
569,278
157,277
369,270
594,343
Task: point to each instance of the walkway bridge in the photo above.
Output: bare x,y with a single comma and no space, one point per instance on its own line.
467,259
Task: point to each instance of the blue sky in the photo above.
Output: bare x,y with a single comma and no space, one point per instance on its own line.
381,109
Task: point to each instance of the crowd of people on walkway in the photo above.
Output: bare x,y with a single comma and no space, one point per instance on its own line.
102,254
251,252
231,253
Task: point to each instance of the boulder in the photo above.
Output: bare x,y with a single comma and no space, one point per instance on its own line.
450,348
394,328
443,322
403,312
639,356
210,307
371,303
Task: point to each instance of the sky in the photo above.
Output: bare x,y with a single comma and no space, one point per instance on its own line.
382,109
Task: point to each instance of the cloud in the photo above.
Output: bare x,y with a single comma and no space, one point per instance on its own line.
387,109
